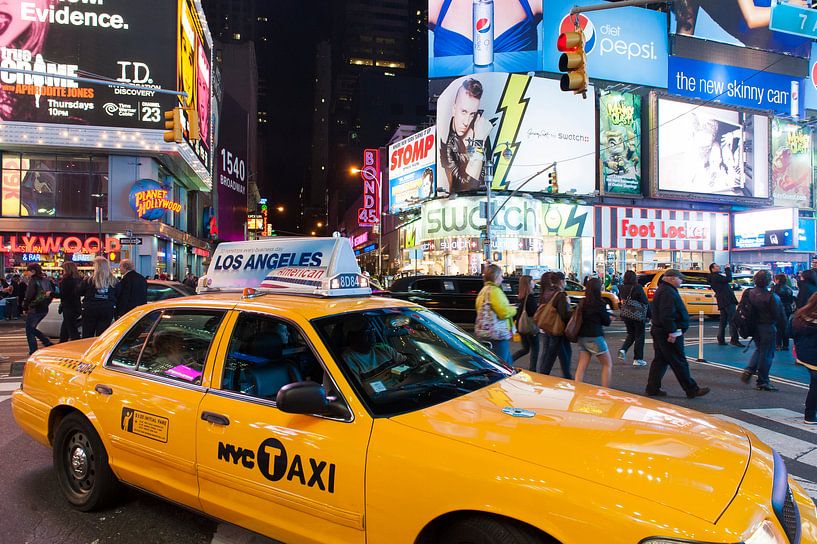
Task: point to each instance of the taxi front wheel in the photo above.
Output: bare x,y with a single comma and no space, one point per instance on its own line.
489,530
81,463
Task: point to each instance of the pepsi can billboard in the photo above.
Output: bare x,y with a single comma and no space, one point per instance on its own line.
627,44
469,36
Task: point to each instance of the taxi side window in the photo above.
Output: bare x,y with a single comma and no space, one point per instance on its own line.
178,345
266,354
126,354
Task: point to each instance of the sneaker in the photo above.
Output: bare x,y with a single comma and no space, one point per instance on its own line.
699,393
767,387
737,344
746,377
659,393
810,421
639,362
622,355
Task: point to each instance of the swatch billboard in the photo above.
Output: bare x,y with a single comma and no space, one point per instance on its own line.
412,174
522,125
509,37
628,44
620,142
744,23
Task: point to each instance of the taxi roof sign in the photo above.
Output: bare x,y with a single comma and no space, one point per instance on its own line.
307,266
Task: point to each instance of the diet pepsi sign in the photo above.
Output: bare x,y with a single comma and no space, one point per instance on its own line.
628,44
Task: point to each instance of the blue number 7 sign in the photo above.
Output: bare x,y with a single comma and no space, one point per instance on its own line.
794,20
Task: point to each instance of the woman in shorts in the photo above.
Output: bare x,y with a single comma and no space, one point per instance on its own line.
591,334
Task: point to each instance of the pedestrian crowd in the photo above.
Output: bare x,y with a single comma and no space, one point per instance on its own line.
768,314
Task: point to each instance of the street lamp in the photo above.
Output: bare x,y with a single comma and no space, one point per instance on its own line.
280,209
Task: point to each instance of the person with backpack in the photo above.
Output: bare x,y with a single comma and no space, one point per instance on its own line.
528,330
495,314
553,301
634,307
763,310
804,334
39,293
721,283
781,289
590,339
670,320
99,298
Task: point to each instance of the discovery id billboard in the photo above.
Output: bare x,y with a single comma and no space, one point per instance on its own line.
412,176
711,151
509,36
743,23
625,44
620,142
91,39
791,164
521,125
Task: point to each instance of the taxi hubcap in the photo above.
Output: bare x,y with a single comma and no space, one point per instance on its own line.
80,462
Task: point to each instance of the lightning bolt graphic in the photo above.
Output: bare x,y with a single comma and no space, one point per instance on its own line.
512,105
572,220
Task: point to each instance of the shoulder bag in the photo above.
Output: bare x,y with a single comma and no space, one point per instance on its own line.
548,319
633,309
575,324
525,323
489,326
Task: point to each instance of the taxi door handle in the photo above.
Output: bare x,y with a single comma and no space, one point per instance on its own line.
103,389
216,419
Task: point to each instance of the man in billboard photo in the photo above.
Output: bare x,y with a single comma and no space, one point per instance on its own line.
186,81
465,150
203,92
747,21
515,23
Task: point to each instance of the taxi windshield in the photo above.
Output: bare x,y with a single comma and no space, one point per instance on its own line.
405,359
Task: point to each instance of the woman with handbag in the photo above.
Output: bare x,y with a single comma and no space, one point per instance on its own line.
594,318
527,327
495,314
804,332
553,301
634,305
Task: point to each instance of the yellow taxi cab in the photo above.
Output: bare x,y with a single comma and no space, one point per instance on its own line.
575,291
695,291
311,412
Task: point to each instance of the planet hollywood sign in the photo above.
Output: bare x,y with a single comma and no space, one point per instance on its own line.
154,199
56,244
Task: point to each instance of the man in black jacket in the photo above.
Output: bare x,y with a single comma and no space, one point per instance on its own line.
767,318
132,291
727,303
669,322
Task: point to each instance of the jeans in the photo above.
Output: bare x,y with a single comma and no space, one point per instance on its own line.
783,335
554,346
530,344
669,354
68,329
96,320
811,398
502,349
728,316
33,319
635,336
761,361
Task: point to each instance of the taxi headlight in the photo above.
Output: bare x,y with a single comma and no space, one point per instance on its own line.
766,533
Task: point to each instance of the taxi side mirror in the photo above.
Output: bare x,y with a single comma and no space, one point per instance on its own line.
302,398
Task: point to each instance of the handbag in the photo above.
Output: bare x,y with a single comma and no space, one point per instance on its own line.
548,319
575,324
488,324
525,323
633,309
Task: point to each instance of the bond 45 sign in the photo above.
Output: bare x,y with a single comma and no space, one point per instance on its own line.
369,214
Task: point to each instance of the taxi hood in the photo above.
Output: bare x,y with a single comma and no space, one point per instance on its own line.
676,457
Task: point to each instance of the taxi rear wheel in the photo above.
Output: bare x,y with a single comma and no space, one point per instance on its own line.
81,463
489,530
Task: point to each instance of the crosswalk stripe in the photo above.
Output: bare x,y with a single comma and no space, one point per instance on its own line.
784,416
809,486
787,446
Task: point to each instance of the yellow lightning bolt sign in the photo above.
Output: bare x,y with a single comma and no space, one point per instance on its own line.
512,105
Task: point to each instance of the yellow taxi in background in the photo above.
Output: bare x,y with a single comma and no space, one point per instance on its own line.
695,291
311,412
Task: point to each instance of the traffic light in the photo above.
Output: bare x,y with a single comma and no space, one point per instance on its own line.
553,182
573,62
193,125
173,124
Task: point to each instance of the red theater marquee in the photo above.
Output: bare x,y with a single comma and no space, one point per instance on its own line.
648,228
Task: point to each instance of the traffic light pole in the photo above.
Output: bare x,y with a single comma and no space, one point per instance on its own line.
620,4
